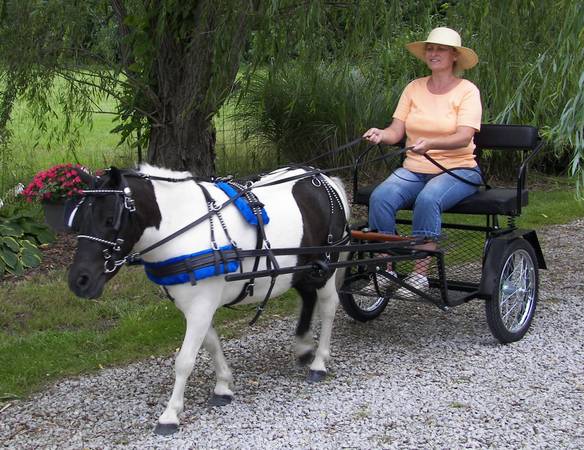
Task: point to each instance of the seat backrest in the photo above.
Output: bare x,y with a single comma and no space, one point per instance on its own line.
500,137
512,137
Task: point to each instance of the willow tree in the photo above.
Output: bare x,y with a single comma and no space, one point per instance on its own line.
169,64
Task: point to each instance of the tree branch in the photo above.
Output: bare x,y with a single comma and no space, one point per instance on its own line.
124,32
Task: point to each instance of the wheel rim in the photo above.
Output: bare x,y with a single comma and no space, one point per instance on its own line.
368,298
517,290
367,303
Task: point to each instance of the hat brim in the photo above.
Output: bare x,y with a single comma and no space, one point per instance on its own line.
467,58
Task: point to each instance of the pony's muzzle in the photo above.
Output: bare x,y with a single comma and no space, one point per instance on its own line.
84,284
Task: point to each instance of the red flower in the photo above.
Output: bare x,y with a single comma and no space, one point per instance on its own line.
60,181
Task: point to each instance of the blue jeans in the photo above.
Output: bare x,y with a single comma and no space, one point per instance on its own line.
430,194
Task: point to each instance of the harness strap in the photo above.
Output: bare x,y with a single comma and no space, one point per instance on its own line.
256,207
192,263
262,306
332,197
187,227
218,256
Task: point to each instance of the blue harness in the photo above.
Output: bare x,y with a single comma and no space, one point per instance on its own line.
214,261
191,268
242,204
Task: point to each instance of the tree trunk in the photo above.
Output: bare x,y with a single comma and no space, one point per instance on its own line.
192,74
185,143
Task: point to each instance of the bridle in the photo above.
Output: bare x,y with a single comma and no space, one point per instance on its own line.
124,208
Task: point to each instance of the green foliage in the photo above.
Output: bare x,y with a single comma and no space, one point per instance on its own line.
531,70
20,236
305,110
170,65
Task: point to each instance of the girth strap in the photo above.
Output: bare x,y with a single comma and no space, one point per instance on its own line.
257,208
194,267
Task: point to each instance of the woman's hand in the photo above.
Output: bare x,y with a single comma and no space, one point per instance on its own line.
421,146
373,135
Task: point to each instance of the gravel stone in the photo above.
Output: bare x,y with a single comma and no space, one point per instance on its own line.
415,378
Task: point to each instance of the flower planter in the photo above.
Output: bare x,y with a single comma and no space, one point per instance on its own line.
55,216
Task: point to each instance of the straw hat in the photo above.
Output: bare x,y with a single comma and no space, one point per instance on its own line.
467,58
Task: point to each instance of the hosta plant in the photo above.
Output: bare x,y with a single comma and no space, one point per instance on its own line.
20,238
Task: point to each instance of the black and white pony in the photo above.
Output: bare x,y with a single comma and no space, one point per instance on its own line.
189,233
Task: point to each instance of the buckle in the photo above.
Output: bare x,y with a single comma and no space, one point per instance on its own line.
249,287
118,245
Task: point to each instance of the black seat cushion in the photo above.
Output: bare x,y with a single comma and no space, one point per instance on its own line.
491,201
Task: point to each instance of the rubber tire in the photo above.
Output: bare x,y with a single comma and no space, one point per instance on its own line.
519,248
357,274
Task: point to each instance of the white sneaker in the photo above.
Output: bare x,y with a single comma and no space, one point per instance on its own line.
415,280
383,283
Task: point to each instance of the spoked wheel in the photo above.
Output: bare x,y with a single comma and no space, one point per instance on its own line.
363,292
512,306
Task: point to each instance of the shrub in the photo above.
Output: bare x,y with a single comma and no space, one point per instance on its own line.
20,237
309,109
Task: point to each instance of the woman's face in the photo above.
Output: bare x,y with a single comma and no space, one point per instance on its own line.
440,57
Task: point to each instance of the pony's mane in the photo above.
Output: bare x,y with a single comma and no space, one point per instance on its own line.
162,172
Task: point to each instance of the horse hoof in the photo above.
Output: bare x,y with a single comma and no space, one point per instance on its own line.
165,429
305,358
220,400
316,376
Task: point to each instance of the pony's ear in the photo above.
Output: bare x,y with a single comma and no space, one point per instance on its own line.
115,176
85,176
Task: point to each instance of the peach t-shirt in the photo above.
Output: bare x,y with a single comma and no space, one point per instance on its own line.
431,115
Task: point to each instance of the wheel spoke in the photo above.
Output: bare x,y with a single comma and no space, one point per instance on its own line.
516,290
511,323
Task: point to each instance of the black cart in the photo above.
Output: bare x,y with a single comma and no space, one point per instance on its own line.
481,255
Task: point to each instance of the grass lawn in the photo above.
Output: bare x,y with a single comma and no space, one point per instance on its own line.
32,149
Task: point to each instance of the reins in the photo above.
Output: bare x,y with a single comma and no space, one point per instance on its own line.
128,206
458,177
335,151
135,257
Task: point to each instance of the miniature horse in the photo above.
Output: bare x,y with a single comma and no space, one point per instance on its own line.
129,212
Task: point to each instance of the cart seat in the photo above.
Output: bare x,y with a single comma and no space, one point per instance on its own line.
501,201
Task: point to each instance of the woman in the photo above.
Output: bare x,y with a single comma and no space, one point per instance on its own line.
439,115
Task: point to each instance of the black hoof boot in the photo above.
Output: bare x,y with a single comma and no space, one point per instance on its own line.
220,400
316,376
305,359
165,429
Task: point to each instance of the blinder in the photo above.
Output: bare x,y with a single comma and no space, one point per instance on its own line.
71,218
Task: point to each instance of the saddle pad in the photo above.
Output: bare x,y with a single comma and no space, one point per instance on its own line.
190,268
242,205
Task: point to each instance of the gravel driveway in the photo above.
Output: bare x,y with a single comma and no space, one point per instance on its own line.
415,378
